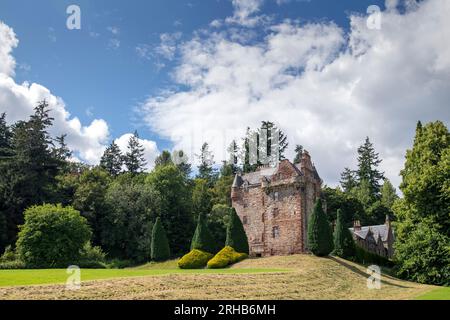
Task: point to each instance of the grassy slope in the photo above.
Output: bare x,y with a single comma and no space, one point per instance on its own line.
308,278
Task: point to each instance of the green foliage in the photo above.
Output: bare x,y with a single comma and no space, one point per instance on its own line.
388,194
160,250
92,257
217,221
201,197
344,246
348,180
205,169
202,239
195,259
221,190
52,236
320,239
365,257
423,216
298,154
176,205
127,224
164,159
89,199
226,257
236,236
368,161
134,158
112,159
350,207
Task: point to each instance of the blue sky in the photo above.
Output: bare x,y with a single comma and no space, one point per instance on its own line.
187,72
96,80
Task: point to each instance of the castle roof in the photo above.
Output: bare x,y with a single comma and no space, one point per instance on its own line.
377,231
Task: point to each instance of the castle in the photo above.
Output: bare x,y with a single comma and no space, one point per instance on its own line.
274,205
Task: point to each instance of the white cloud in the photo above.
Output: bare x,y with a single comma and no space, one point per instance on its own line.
150,148
19,100
326,89
244,12
8,43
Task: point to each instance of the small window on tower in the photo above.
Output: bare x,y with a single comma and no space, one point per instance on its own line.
276,232
276,196
244,220
275,212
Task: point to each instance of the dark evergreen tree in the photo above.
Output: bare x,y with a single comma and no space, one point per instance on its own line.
112,159
134,158
320,239
368,162
202,239
62,151
182,162
236,236
298,154
344,245
160,250
201,197
348,180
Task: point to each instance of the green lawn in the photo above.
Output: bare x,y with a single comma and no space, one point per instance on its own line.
54,276
436,294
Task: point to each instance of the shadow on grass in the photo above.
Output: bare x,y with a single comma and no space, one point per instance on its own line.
362,273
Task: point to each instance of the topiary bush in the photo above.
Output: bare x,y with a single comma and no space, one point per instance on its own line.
226,257
52,236
320,239
202,239
236,236
196,259
160,250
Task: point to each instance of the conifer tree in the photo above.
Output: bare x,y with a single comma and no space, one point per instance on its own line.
344,245
320,239
112,159
236,236
205,169
348,180
160,249
134,158
202,239
368,161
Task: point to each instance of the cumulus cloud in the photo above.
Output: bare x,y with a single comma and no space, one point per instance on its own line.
18,101
150,148
327,89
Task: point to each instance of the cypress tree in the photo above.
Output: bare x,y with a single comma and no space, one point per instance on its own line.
236,237
344,245
160,250
202,239
320,240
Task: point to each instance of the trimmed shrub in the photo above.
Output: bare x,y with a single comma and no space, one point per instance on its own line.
160,249
52,236
196,259
320,239
202,239
344,245
236,237
226,257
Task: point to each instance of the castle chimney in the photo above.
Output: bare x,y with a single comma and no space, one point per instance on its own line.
235,187
387,221
356,225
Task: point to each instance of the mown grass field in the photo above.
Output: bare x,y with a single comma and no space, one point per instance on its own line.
290,277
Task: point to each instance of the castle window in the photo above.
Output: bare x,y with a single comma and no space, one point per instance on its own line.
275,212
276,232
244,220
276,196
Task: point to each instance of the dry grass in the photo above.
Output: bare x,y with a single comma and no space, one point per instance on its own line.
310,278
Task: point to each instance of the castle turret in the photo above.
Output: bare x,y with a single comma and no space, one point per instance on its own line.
235,187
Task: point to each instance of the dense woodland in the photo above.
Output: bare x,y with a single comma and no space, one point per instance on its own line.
121,202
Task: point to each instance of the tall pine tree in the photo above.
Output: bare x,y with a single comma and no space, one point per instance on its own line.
112,159
205,169
348,180
368,162
134,158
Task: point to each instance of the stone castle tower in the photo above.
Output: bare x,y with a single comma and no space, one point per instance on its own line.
274,205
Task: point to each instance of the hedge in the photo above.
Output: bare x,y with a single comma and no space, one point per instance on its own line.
196,259
225,257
